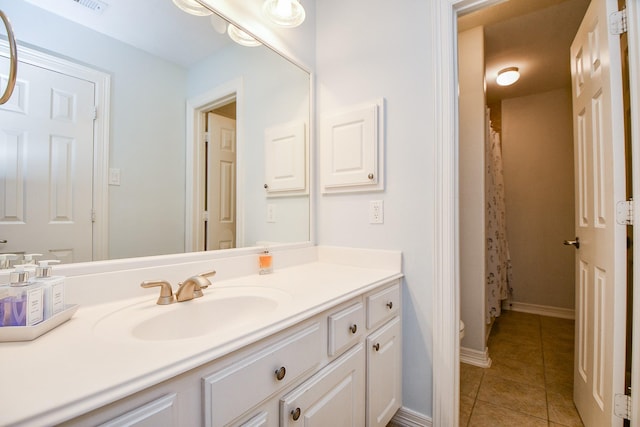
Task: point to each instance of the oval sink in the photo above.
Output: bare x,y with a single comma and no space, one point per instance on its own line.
219,310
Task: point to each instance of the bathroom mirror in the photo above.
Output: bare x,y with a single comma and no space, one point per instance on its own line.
157,63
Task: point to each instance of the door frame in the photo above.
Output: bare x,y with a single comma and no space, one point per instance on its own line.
195,160
101,126
446,277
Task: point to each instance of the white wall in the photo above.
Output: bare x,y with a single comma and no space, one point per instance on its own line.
472,189
366,49
537,145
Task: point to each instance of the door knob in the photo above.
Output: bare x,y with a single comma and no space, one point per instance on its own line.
575,243
3,241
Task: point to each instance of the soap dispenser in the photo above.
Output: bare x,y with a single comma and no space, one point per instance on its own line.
25,299
265,262
5,260
30,259
52,288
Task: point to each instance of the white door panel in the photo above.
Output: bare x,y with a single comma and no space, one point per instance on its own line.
46,165
221,182
599,181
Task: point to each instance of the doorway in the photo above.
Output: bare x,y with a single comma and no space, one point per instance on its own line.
442,416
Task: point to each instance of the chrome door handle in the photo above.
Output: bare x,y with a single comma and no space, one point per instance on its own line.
575,243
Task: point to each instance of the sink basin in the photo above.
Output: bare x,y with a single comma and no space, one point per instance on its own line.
219,310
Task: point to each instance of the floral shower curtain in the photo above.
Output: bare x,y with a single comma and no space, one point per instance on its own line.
498,263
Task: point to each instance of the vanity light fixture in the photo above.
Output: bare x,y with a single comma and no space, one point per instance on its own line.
218,24
240,37
285,13
508,76
192,7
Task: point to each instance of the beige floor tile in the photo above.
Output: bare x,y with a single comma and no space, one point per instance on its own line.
562,410
488,415
520,397
466,405
517,370
530,353
470,378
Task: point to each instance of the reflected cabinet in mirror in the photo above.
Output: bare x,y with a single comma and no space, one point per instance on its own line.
137,129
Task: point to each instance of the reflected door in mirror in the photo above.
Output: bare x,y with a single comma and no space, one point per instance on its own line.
221,182
46,165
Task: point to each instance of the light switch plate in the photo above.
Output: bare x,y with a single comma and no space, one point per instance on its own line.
271,212
114,176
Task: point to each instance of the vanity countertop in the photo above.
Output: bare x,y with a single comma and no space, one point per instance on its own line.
75,368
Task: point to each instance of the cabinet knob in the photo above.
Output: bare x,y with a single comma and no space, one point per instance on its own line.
280,373
295,414
390,305
376,346
353,328
370,176
266,186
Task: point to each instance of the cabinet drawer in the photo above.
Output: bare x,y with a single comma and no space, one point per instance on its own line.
383,305
236,388
160,412
335,396
345,327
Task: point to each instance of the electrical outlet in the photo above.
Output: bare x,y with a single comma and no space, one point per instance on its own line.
376,212
114,176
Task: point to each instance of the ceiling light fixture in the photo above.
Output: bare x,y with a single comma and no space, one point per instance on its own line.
508,76
192,7
240,37
285,13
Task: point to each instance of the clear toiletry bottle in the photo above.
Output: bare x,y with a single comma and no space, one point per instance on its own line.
52,288
265,260
5,260
5,305
25,305
30,259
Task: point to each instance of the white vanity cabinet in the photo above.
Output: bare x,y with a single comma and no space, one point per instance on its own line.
340,367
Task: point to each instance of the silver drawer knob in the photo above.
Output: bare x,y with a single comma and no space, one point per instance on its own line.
295,414
390,305
353,328
376,346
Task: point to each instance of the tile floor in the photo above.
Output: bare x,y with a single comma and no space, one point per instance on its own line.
530,381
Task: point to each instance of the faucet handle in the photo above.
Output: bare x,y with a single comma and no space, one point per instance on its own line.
203,284
166,293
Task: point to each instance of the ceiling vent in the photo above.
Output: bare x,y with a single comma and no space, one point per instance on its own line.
96,6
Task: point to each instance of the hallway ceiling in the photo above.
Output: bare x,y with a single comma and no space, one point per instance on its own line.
533,35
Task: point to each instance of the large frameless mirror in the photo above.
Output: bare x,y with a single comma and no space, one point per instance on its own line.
137,129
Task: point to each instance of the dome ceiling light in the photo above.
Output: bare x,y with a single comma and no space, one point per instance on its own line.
192,7
508,76
285,13
240,37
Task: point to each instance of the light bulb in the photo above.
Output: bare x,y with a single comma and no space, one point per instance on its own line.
285,13
240,37
192,7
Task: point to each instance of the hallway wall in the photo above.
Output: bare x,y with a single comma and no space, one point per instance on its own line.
537,145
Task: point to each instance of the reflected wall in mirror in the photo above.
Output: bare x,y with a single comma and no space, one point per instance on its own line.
142,199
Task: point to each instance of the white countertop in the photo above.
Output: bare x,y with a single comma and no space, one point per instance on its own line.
74,369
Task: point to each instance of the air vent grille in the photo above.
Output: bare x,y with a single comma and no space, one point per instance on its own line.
96,6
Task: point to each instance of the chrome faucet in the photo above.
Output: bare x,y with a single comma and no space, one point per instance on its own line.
193,286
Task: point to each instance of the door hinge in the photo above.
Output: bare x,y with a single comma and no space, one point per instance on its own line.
206,137
618,22
622,406
93,215
624,212
205,216
94,112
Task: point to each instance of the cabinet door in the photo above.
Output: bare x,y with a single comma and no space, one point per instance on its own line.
332,397
352,150
161,412
384,373
286,159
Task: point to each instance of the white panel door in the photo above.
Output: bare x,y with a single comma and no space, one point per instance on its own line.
46,165
599,180
285,159
221,182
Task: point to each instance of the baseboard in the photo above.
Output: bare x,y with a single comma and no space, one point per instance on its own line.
405,417
542,310
475,357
